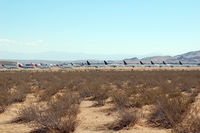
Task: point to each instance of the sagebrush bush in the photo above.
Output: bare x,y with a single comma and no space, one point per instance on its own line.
85,92
169,112
121,99
190,124
27,114
59,115
100,95
125,119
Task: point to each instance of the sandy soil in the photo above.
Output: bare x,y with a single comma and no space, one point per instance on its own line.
6,118
94,119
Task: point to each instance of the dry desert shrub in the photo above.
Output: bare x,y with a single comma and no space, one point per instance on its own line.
100,95
59,116
3,99
27,114
47,94
125,119
192,127
190,124
121,99
85,92
19,95
169,111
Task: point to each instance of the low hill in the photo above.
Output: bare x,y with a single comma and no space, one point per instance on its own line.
190,57
7,62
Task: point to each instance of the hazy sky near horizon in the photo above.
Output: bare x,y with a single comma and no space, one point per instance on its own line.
103,27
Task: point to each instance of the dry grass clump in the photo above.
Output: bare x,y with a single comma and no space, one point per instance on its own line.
192,127
20,92
169,112
143,97
11,89
3,99
47,94
85,92
59,115
125,119
5,86
100,95
27,114
191,122
121,99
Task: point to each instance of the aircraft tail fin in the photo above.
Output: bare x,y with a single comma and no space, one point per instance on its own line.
141,63
105,62
125,63
88,63
164,63
180,63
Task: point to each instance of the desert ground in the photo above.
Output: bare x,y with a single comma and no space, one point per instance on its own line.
100,100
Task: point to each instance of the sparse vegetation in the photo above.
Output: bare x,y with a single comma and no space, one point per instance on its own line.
125,119
170,92
190,124
169,111
121,99
59,115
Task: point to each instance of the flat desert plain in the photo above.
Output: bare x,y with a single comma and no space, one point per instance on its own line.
100,100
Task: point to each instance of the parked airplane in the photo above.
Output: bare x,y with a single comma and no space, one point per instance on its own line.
31,65
164,63
124,62
74,65
26,66
108,64
152,63
141,63
105,62
155,64
9,66
180,63
88,63
2,66
65,66
44,66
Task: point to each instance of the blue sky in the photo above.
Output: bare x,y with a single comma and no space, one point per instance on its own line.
99,27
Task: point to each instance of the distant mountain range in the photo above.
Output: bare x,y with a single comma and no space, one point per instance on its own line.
190,57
